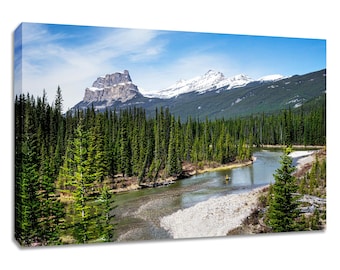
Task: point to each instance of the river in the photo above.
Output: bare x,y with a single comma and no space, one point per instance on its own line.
138,213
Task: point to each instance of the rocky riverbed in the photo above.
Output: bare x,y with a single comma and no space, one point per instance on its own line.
218,216
214,217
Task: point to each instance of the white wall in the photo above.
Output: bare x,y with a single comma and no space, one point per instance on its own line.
310,19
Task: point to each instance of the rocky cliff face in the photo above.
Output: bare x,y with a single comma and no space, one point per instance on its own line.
110,88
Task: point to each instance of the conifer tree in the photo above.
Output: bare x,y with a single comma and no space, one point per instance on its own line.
174,165
96,164
58,103
135,149
125,149
106,202
80,182
26,197
109,142
230,149
283,205
51,210
188,140
144,151
57,132
26,185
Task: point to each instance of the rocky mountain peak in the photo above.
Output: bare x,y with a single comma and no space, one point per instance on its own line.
112,79
113,87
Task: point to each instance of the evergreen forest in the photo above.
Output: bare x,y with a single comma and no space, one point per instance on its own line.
66,164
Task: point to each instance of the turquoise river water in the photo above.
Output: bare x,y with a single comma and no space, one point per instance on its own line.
138,212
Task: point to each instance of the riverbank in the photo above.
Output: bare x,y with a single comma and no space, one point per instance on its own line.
228,214
211,218
229,166
120,184
295,146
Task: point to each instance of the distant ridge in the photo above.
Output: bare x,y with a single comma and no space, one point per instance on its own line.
210,81
210,95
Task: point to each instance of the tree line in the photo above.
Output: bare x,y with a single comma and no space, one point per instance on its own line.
77,153
284,202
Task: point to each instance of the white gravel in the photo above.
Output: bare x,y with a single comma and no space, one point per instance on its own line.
300,154
216,217
211,218
302,158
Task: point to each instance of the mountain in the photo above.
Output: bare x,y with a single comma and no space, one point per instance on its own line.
110,89
211,95
255,97
210,81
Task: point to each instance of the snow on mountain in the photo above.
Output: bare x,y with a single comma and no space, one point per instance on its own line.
208,82
199,84
237,81
119,87
274,77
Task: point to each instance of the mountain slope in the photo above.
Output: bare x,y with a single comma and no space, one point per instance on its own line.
253,98
221,99
212,80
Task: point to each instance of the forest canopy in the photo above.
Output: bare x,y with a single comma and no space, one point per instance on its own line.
76,153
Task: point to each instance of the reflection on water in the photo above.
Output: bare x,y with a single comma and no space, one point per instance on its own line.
138,212
260,173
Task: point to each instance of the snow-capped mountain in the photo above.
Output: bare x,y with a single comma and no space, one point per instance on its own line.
207,95
210,81
272,78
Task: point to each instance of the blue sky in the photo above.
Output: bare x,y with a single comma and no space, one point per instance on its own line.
74,56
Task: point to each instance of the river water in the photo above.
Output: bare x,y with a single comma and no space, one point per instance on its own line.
138,213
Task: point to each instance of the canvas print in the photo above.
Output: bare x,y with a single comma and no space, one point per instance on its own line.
126,135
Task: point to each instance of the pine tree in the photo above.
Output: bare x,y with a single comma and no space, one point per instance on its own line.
283,205
158,153
80,182
188,140
230,149
135,149
106,204
26,196
174,165
58,103
77,183
51,210
144,151
96,164
125,148
56,137
242,150
26,180
109,146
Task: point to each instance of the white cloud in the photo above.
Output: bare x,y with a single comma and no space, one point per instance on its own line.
48,60
74,59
